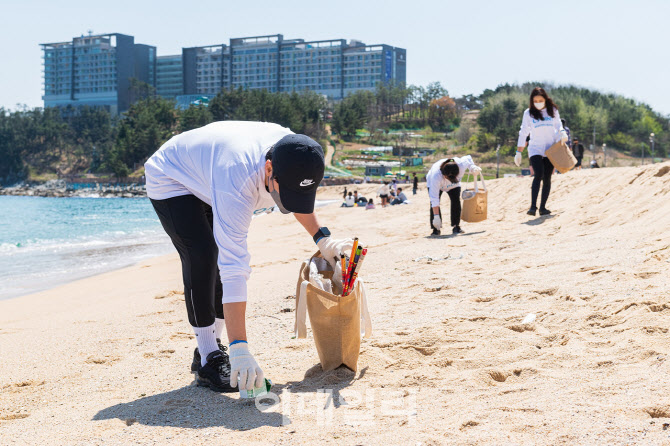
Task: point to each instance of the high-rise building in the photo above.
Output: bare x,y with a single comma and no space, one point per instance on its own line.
96,70
169,76
330,67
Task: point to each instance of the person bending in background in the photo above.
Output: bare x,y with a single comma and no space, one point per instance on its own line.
542,123
445,176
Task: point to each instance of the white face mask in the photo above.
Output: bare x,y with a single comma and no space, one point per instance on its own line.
539,105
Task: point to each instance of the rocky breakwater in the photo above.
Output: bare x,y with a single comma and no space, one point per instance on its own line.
61,188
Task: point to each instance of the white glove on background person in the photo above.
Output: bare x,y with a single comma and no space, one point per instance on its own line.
244,368
564,136
517,159
331,250
437,222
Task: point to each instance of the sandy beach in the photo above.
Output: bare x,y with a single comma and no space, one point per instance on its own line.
106,360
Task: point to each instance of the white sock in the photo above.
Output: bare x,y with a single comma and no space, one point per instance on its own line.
220,325
206,338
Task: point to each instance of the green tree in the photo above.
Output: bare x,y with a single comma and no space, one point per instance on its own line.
194,116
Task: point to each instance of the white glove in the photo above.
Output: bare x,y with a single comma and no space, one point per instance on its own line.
517,159
475,169
564,136
244,368
331,250
437,222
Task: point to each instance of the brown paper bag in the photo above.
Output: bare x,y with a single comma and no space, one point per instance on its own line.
336,320
475,202
561,157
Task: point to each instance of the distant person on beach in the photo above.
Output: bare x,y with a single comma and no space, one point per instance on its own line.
344,195
415,186
383,193
567,131
401,198
370,205
445,176
594,164
206,185
394,187
349,202
578,152
542,123
359,199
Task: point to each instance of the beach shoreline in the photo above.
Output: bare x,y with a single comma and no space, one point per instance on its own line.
450,359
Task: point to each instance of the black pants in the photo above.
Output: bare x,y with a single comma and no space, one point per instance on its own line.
542,169
188,222
455,198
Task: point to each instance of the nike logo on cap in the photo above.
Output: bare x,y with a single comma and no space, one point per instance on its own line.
305,183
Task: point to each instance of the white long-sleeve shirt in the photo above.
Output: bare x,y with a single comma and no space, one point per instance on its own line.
543,134
437,182
383,190
223,165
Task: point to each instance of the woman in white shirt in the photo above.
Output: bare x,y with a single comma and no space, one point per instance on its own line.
542,123
445,176
383,193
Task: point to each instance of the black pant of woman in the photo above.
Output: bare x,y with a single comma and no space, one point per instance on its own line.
542,169
455,198
188,222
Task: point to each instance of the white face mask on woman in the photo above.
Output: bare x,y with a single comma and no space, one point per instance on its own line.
539,105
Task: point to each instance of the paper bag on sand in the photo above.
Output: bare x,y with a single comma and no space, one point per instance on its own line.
338,322
561,157
475,202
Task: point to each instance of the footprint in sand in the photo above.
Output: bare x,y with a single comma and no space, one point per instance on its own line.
102,360
662,171
658,411
498,375
470,423
584,269
520,328
181,336
25,384
484,298
14,416
658,307
590,221
160,354
168,294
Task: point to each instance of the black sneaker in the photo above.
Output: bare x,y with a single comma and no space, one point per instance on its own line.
436,232
457,230
544,211
215,374
195,365
532,211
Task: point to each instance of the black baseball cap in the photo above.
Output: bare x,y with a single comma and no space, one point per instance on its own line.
298,164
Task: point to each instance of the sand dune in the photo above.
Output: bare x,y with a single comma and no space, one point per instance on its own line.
451,361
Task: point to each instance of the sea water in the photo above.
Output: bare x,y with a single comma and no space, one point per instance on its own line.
46,242
49,241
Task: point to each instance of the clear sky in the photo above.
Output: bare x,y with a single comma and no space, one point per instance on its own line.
620,46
